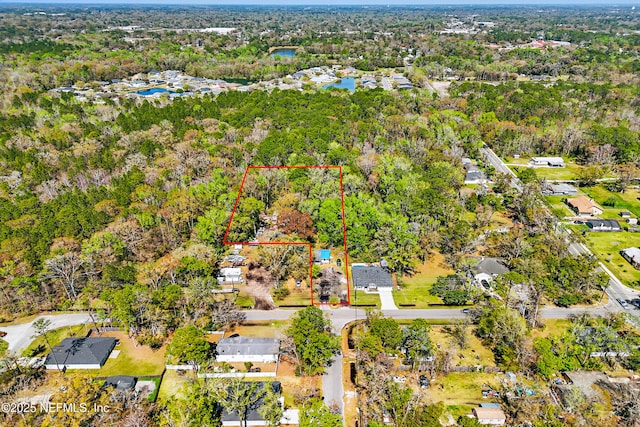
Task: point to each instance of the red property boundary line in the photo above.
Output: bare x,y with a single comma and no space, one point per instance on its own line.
344,225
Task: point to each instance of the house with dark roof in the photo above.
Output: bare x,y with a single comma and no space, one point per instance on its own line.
121,383
80,353
370,278
253,417
245,349
603,225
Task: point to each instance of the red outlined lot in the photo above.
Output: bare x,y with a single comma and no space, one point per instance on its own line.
344,225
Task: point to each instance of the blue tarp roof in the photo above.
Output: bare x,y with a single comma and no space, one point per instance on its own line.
325,253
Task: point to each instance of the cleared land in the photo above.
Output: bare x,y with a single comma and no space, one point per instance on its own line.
607,247
414,290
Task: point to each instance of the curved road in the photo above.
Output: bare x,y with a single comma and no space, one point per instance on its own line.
21,335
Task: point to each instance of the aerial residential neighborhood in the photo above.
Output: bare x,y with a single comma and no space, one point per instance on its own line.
336,215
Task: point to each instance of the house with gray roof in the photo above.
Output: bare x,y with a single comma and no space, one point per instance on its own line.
603,225
488,269
121,383
560,190
80,353
245,349
632,255
370,278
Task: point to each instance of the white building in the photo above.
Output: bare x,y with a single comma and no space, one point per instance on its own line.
230,275
244,349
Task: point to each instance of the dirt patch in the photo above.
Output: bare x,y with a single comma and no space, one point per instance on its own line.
259,285
329,285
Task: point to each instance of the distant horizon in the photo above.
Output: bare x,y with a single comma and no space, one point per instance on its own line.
329,3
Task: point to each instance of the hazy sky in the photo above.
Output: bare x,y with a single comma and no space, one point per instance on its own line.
339,2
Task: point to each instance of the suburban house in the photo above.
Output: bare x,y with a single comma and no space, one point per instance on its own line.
121,383
80,353
603,225
560,190
473,174
632,255
230,275
488,269
245,349
584,206
370,278
490,416
550,162
253,417
322,256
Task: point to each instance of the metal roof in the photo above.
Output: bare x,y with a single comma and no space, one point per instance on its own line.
246,346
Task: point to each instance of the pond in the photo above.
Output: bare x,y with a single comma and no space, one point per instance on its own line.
345,83
153,91
283,52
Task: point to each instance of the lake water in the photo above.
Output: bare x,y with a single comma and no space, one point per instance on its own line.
153,91
345,83
284,52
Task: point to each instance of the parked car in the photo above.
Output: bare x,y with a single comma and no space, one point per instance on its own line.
424,382
3,334
623,303
466,310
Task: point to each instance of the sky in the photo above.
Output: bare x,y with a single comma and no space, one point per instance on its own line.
563,3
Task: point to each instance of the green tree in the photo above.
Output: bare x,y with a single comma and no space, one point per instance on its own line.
417,343
189,346
313,340
387,329
315,413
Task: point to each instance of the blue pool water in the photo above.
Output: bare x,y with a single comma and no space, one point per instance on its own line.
345,83
284,52
148,92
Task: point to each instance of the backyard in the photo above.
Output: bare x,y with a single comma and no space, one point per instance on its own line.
607,247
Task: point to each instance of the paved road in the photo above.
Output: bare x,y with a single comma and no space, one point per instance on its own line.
500,166
616,290
386,83
332,387
20,336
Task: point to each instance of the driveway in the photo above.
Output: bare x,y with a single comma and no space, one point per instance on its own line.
386,299
20,336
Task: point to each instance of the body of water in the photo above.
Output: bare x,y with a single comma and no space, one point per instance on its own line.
284,52
345,83
153,91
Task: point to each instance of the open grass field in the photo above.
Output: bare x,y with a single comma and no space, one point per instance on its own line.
415,289
474,354
39,347
263,329
607,247
552,327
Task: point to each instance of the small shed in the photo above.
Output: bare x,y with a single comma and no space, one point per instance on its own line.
322,256
490,416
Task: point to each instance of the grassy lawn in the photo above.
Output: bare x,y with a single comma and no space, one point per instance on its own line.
136,361
461,391
297,296
415,289
627,201
39,347
607,247
474,354
171,386
244,300
257,329
557,204
552,327
360,297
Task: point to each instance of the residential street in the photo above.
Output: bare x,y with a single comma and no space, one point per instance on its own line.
332,388
20,336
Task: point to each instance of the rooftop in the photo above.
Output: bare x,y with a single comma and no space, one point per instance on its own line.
363,277
81,351
248,346
583,203
491,266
